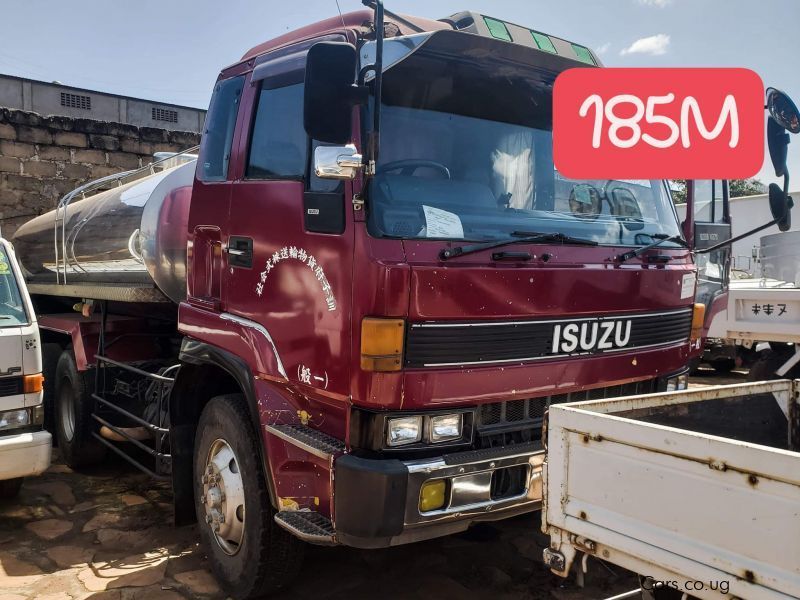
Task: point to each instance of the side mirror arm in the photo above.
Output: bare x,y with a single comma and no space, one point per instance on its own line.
737,238
729,242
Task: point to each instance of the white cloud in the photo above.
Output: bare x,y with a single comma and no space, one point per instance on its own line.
656,3
654,45
603,48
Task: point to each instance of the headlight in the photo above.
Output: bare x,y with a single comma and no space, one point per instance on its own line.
681,382
404,430
14,418
445,428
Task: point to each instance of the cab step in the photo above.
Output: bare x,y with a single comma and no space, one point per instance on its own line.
311,440
311,527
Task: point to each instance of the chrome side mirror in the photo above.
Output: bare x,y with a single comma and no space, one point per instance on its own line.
337,162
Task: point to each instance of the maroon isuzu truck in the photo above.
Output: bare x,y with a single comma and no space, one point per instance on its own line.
343,319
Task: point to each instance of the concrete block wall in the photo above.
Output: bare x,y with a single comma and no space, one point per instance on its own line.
43,158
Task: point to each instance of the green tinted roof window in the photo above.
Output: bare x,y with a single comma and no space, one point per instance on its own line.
544,42
583,54
497,28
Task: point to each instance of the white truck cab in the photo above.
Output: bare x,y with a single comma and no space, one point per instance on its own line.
24,446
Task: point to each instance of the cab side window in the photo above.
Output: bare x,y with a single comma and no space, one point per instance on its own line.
278,143
709,201
215,150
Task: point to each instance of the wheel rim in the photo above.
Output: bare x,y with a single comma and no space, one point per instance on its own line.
66,410
223,496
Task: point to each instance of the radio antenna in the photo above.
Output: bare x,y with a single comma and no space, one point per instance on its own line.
339,8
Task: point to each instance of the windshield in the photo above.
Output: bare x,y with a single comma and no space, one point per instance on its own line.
12,311
466,153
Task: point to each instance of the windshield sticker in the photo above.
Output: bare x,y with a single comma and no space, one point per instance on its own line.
442,224
687,285
293,253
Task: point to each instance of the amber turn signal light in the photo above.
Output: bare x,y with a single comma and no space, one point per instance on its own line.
698,320
382,344
32,383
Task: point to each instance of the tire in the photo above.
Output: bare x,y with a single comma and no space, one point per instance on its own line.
73,415
769,361
250,559
9,488
724,365
50,354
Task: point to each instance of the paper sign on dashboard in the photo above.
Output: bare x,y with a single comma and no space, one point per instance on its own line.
442,224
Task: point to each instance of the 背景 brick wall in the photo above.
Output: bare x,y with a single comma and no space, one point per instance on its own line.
43,158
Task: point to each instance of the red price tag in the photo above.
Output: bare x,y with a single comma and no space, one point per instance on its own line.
658,123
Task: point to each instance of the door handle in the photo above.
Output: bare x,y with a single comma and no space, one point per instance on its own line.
240,252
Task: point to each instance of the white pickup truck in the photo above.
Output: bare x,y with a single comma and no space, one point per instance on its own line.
697,491
24,446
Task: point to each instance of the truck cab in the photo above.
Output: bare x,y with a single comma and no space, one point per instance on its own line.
24,446
402,326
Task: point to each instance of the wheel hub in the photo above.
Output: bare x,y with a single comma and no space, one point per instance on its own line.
223,496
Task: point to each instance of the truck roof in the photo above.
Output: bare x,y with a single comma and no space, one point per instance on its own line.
352,21
466,21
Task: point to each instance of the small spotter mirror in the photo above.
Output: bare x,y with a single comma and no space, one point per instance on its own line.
780,205
783,110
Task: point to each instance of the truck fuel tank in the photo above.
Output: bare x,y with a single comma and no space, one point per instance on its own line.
127,243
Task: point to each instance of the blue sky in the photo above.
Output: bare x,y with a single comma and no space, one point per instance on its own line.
172,50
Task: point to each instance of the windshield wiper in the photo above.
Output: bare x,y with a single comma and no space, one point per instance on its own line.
517,237
660,238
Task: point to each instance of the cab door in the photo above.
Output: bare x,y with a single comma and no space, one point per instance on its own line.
710,205
289,239
210,196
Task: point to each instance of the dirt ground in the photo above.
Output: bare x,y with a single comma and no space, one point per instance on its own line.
106,534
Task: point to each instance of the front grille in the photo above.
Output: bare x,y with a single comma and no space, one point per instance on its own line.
10,386
520,421
455,344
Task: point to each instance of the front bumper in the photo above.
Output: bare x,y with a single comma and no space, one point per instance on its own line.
24,454
377,501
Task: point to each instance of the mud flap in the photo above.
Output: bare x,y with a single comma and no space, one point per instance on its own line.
182,450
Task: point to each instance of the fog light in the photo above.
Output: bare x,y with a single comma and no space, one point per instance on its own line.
431,495
14,418
446,428
683,382
404,430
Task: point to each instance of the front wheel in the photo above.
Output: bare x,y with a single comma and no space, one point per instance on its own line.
724,365
73,415
249,553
